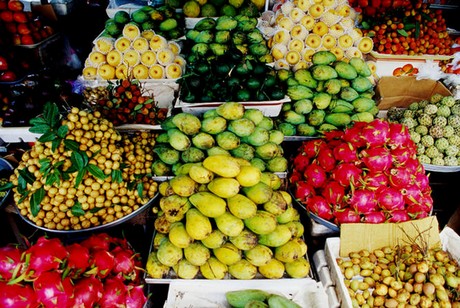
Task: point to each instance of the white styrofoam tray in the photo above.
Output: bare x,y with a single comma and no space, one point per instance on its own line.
211,294
268,108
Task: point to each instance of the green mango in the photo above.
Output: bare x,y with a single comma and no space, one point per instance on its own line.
244,270
169,254
167,154
275,300
207,23
229,224
305,129
316,117
245,240
305,78
323,57
278,237
298,92
241,206
322,100
360,66
293,117
239,298
323,72
333,86
348,94
178,140
261,223
208,203
338,119
187,123
361,84
345,70
362,104
197,225
362,117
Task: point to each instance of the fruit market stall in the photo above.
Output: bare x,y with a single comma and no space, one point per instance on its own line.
211,153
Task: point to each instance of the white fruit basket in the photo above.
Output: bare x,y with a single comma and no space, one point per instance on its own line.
268,108
211,294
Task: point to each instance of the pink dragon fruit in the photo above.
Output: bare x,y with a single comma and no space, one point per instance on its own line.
390,199
346,152
326,159
399,177
363,201
318,206
333,192
315,175
346,215
374,217
376,133
377,159
347,174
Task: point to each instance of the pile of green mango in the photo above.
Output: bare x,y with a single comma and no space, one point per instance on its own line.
225,218
215,37
255,298
326,96
230,130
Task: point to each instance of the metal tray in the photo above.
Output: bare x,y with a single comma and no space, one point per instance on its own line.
444,169
100,227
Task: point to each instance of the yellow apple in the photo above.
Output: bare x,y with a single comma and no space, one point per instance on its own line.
308,22
131,31
281,64
158,42
281,36
157,71
278,51
140,44
366,44
316,10
148,58
296,14
320,28
345,41
344,10
328,3
114,57
353,52
338,52
300,65
286,23
89,72
122,44
140,71
131,57
329,41
304,5
372,66
180,61
299,32
148,34
165,56
296,45
356,34
307,53
347,23
106,71
173,71
313,40
292,57
96,58
174,47
122,72
104,44
336,30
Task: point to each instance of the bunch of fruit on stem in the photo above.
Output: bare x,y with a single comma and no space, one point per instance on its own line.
125,102
434,126
229,130
81,172
367,173
23,28
99,271
411,28
328,95
400,276
163,20
226,218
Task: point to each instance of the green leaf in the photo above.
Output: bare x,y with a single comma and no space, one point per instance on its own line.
79,177
6,186
71,145
35,201
117,176
55,144
62,131
77,210
96,171
140,190
51,114
85,158
39,129
402,32
417,29
27,176
409,26
365,25
95,209
37,121
44,164
77,159
22,185
138,107
48,136
53,178
23,197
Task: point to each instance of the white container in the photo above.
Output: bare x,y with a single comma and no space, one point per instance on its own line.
211,293
268,108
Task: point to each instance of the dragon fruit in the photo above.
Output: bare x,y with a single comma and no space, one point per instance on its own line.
347,215
326,159
45,255
10,261
315,175
376,133
390,199
346,174
374,218
377,159
318,206
334,193
363,201
345,152
399,177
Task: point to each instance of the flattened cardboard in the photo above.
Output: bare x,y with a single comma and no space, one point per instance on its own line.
404,90
354,237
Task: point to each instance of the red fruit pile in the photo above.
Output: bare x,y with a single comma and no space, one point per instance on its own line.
24,28
100,271
367,173
126,104
404,27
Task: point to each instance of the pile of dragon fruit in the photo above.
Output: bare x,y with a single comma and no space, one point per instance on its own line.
368,173
100,271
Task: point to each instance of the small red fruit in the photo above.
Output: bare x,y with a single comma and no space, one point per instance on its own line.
6,16
27,39
20,17
3,64
23,29
15,5
11,27
8,76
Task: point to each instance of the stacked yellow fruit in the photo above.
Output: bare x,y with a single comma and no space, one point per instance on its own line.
300,28
136,54
226,218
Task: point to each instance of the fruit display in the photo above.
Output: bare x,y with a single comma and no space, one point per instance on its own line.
404,27
125,102
81,172
405,70
367,173
162,20
258,298
410,274
227,219
21,27
328,95
300,28
229,130
136,54
215,8
434,126
99,270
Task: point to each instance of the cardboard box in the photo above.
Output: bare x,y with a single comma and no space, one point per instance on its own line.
402,91
354,237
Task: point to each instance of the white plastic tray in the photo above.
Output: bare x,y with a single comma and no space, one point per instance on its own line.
210,293
444,169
